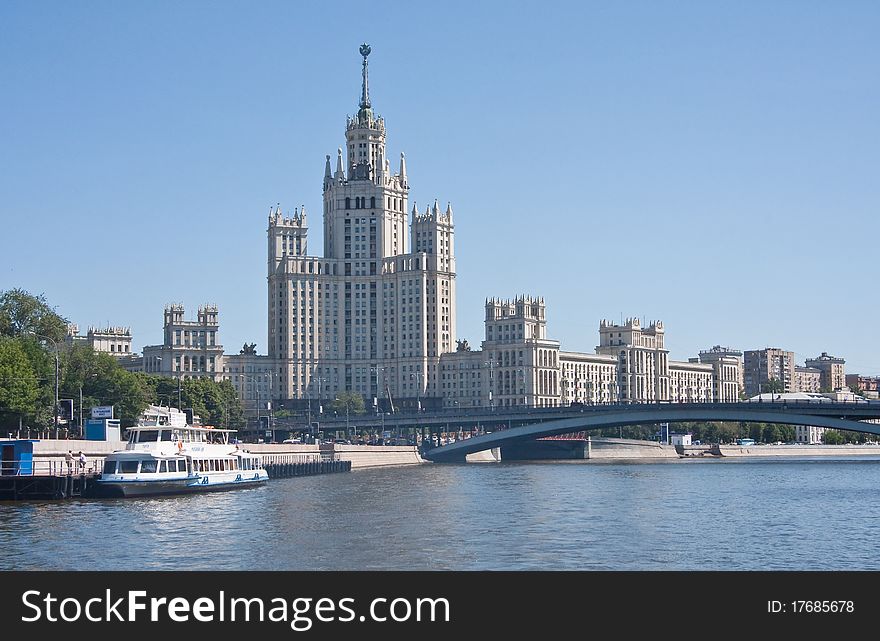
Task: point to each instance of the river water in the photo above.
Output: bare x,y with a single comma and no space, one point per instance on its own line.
681,515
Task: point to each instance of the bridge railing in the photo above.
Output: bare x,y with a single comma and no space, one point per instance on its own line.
484,413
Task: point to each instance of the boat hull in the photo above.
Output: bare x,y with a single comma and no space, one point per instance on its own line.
122,489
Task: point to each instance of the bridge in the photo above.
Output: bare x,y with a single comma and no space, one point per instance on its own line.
507,425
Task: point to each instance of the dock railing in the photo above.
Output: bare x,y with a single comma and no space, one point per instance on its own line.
289,458
54,466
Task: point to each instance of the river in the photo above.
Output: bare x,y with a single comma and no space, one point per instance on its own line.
680,515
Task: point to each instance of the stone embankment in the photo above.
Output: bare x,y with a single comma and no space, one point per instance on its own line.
623,448
732,451
361,456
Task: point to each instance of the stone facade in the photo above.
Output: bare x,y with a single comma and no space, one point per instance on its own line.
588,378
376,311
727,364
253,376
642,360
190,349
691,382
115,341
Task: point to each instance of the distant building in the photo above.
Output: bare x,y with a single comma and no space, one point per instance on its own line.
191,349
807,379
691,382
728,368
809,434
254,377
680,439
111,340
833,376
870,385
763,365
642,360
588,378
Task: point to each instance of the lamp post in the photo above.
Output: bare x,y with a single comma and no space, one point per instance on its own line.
491,364
376,398
55,345
418,377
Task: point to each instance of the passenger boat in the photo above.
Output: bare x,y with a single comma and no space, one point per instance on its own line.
166,455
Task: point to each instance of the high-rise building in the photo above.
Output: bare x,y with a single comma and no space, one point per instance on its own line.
833,376
770,364
376,311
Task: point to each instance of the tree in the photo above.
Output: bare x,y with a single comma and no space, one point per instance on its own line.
350,402
773,386
756,432
771,433
19,384
21,312
832,437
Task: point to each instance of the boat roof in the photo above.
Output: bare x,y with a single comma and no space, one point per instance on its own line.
203,428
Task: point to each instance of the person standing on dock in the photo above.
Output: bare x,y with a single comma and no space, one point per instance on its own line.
82,462
68,458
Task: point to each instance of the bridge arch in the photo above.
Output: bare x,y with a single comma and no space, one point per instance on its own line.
456,452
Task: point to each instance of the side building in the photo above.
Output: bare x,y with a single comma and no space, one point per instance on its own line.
832,371
808,379
727,365
190,349
770,364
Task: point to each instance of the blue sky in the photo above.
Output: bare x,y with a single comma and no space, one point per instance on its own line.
714,165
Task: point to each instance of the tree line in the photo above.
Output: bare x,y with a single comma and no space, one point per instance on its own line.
725,432
32,333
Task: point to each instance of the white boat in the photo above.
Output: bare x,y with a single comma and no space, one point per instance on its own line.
165,455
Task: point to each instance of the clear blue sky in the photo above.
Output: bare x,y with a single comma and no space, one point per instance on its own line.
715,165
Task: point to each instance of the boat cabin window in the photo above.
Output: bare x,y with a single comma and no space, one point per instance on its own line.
128,467
109,467
148,466
165,435
148,436
162,467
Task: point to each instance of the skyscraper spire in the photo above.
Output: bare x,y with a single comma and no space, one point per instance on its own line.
365,86
340,175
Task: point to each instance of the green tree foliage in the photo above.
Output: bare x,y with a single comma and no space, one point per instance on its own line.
833,437
21,312
19,384
215,403
103,382
773,386
771,433
350,401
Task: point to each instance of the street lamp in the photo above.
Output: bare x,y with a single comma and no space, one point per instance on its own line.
491,364
418,377
376,398
55,344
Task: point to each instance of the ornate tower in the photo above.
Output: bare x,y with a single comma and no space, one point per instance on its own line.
375,312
